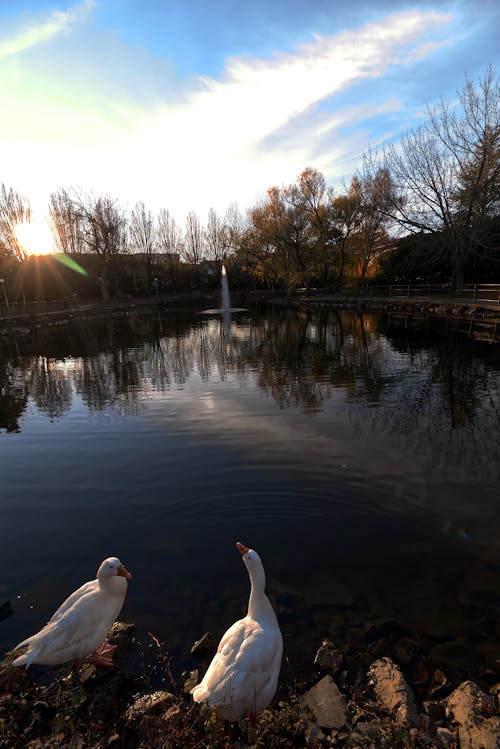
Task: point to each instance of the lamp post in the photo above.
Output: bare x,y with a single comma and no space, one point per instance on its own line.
2,284
156,284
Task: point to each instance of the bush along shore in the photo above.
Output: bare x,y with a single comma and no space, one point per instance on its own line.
358,700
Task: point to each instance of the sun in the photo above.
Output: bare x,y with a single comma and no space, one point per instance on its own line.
35,238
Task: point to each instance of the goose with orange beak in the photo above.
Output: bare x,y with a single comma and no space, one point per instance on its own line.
77,631
243,676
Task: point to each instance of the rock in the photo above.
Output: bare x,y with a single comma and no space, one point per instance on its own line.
87,671
419,673
445,736
314,735
393,692
204,645
440,684
328,657
368,734
171,713
435,710
453,653
148,704
474,711
325,700
385,629
191,681
121,634
6,610
469,702
495,691
322,590
337,626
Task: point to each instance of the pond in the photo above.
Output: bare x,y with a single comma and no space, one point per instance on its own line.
360,459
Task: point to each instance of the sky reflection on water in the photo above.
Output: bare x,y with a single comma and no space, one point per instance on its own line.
358,458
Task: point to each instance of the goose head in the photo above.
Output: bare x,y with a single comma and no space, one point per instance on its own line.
254,566
112,567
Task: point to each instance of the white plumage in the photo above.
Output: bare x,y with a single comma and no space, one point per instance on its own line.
243,676
81,624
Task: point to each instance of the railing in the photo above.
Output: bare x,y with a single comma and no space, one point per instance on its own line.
483,292
410,290
20,308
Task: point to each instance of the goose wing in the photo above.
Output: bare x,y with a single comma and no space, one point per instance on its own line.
244,664
76,632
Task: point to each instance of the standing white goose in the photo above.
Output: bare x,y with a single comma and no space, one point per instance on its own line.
242,678
78,629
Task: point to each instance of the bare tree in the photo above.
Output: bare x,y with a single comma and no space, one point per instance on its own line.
236,226
142,234
66,220
448,171
14,210
193,241
103,226
169,242
217,238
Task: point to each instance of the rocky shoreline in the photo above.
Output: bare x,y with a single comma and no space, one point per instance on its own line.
453,308
457,308
356,700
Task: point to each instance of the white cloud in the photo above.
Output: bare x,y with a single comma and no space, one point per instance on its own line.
218,139
230,138
57,23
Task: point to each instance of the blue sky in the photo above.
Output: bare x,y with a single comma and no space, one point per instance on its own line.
194,104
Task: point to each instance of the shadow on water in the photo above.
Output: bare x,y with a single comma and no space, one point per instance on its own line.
358,457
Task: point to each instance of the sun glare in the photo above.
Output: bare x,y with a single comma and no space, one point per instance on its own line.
35,238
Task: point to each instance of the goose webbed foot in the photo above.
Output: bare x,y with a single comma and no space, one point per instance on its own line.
103,656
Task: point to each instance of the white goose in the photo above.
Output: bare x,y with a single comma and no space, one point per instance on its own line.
78,629
242,678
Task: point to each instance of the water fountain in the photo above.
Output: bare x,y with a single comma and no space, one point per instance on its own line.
225,305
225,296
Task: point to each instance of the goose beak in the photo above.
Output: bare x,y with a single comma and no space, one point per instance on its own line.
242,548
122,572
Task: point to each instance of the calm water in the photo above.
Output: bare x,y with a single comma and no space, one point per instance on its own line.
360,459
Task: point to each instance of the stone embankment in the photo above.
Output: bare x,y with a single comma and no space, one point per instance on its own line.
455,307
348,703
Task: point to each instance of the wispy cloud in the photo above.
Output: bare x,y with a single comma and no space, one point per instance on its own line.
261,116
215,140
56,23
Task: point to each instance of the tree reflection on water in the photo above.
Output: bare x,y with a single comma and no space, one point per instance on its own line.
421,388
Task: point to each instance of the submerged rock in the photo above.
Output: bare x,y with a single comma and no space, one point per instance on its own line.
6,610
204,645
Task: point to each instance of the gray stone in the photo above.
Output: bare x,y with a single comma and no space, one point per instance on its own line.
148,704
445,736
314,735
328,657
327,704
